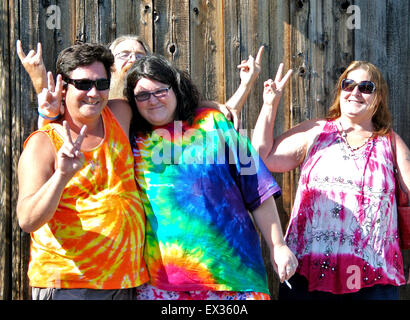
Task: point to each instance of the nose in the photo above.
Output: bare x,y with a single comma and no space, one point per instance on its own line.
356,91
152,99
93,91
132,58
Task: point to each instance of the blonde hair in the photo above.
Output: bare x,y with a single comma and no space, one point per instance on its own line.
381,119
122,38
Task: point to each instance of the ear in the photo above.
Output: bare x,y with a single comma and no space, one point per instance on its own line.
64,91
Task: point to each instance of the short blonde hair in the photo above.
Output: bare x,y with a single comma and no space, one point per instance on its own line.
122,38
381,119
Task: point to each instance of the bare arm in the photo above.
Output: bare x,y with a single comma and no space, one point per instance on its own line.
287,151
249,72
403,162
267,220
43,176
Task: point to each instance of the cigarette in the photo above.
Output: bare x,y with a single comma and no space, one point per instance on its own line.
288,284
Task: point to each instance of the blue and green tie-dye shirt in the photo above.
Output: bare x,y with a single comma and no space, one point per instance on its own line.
198,183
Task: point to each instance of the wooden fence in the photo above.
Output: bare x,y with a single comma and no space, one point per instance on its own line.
209,38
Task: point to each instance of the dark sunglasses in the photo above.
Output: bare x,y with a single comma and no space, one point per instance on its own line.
86,84
145,95
364,86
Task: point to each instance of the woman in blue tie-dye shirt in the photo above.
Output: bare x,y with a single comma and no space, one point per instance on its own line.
199,178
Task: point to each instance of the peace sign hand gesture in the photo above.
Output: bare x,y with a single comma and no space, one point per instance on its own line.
273,89
70,159
49,99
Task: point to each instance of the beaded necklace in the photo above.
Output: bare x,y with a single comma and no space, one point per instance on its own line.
344,136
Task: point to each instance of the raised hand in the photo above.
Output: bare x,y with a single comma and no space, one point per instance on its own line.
33,64
250,69
49,99
70,159
273,90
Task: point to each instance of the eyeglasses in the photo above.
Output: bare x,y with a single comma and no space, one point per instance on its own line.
145,95
126,55
367,87
87,84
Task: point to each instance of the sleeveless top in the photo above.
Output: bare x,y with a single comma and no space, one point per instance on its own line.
198,183
96,236
343,227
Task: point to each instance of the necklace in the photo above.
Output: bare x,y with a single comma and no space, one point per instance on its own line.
344,136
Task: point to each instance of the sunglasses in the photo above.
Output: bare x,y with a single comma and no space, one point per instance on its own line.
145,95
367,87
87,84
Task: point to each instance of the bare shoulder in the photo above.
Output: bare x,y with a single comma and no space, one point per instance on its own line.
38,153
403,161
400,142
122,112
307,130
403,152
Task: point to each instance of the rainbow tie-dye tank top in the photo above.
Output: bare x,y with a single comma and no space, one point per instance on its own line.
96,236
198,183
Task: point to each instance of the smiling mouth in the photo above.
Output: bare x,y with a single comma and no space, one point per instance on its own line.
93,103
155,108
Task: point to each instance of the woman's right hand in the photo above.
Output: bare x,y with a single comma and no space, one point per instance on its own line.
272,90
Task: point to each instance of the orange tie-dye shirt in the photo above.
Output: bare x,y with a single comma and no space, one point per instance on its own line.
96,236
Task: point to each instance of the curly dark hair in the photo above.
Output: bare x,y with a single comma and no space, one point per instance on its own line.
156,67
83,54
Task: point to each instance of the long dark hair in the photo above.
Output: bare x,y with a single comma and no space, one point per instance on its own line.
156,67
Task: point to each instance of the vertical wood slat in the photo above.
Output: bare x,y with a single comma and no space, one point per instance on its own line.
232,46
204,47
171,32
25,16
310,36
5,156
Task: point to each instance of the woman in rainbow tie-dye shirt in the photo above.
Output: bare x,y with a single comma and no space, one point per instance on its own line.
199,178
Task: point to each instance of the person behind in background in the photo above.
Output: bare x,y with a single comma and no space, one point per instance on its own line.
77,193
198,179
343,227
126,50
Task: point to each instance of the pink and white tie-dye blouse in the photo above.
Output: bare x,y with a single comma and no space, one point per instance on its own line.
343,227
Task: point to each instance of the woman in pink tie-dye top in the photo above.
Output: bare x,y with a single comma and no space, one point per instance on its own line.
343,227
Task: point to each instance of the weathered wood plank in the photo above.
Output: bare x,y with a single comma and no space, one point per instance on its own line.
232,46
23,17
204,48
5,156
209,39
171,32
